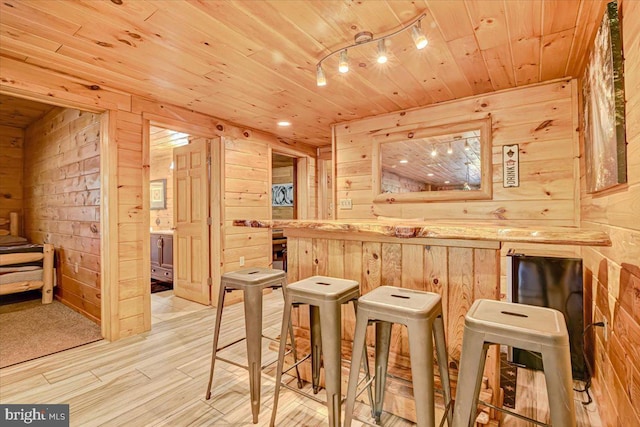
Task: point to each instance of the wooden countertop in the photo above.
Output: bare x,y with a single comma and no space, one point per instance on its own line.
443,230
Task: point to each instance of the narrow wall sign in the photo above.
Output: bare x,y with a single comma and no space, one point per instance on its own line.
510,166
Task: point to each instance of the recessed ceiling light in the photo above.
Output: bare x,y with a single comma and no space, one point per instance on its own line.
284,123
447,182
404,161
429,174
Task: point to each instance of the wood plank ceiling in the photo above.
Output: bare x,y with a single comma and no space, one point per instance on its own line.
254,62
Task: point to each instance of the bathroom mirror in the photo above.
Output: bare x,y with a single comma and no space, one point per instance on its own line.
446,162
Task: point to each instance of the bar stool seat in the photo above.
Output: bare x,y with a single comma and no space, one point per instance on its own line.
421,313
252,281
325,296
528,327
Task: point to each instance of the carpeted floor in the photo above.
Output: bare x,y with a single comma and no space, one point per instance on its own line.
29,330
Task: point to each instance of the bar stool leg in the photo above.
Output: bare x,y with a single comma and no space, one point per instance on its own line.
358,342
472,363
294,352
316,346
216,334
443,364
383,341
253,328
286,321
331,324
557,373
421,355
365,364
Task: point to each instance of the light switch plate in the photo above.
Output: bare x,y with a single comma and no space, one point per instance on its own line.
345,204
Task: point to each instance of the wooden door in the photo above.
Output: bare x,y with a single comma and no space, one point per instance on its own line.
191,267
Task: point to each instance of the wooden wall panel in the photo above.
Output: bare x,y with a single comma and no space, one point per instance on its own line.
246,177
62,201
539,118
11,165
247,194
613,273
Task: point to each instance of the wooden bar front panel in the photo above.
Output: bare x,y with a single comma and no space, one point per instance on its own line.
459,274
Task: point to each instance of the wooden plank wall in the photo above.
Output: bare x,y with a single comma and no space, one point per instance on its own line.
247,194
62,201
614,272
131,313
11,165
542,119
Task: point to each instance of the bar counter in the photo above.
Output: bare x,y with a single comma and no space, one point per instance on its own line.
459,261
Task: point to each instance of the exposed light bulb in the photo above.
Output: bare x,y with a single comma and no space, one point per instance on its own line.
449,149
434,152
467,147
343,65
403,161
418,36
321,79
382,52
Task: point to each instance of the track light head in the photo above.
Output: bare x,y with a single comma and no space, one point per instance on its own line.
382,52
321,79
343,65
418,36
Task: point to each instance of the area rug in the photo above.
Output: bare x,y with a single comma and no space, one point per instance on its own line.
30,329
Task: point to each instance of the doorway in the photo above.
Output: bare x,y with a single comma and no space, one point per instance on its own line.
50,176
179,223
283,203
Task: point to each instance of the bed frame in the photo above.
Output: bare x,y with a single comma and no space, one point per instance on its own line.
47,264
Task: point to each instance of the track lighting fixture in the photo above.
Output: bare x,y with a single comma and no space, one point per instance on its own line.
365,37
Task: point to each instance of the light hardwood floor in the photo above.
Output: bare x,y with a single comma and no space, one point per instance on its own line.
159,378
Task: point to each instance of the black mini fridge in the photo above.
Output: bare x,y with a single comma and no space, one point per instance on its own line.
549,282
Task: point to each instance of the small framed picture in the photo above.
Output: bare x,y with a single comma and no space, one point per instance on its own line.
158,194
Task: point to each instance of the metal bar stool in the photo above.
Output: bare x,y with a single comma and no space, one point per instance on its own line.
528,327
421,313
252,281
324,295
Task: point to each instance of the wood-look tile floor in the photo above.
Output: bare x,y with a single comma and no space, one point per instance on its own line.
159,378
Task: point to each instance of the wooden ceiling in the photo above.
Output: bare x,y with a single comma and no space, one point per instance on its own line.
20,113
254,62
